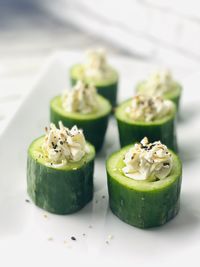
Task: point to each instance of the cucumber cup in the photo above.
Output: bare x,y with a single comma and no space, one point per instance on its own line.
143,203
131,131
161,83
95,71
94,124
60,189
174,94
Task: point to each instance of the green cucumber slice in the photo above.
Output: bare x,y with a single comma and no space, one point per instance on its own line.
133,131
106,87
174,94
94,124
60,190
143,204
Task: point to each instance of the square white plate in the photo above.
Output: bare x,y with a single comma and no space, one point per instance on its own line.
30,236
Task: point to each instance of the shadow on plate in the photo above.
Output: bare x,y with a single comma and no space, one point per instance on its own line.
183,226
185,223
111,141
190,151
188,113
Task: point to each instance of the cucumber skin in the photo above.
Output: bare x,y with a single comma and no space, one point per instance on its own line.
144,209
109,91
94,130
58,191
130,133
176,100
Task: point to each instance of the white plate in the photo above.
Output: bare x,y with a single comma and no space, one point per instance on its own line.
25,230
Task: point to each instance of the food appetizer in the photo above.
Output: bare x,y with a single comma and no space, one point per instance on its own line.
161,83
82,106
144,183
141,116
60,170
97,72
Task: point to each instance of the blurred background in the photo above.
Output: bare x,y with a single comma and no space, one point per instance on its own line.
156,31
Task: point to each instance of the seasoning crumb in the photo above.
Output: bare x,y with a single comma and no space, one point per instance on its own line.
73,238
110,237
90,226
96,201
107,242
45,216
50,238
84,234
27,200
103,196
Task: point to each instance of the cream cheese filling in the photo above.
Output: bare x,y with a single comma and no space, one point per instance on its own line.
62,145
159,83
146,108
95,65
147,161
82,98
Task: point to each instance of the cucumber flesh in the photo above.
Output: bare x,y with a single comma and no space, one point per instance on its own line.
143,204
103,110
77,73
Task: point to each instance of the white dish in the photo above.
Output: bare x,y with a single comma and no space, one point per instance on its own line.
25,230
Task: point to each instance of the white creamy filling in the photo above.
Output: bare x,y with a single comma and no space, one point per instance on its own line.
95,65
147,161
159,83
62,145
145,108
82,98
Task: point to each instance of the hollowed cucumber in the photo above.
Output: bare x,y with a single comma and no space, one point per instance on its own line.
143,204
105,87
133,131
60,190
94,124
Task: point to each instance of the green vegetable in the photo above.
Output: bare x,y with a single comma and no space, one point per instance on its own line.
60,190
144,203
94,124
133,131
106,87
